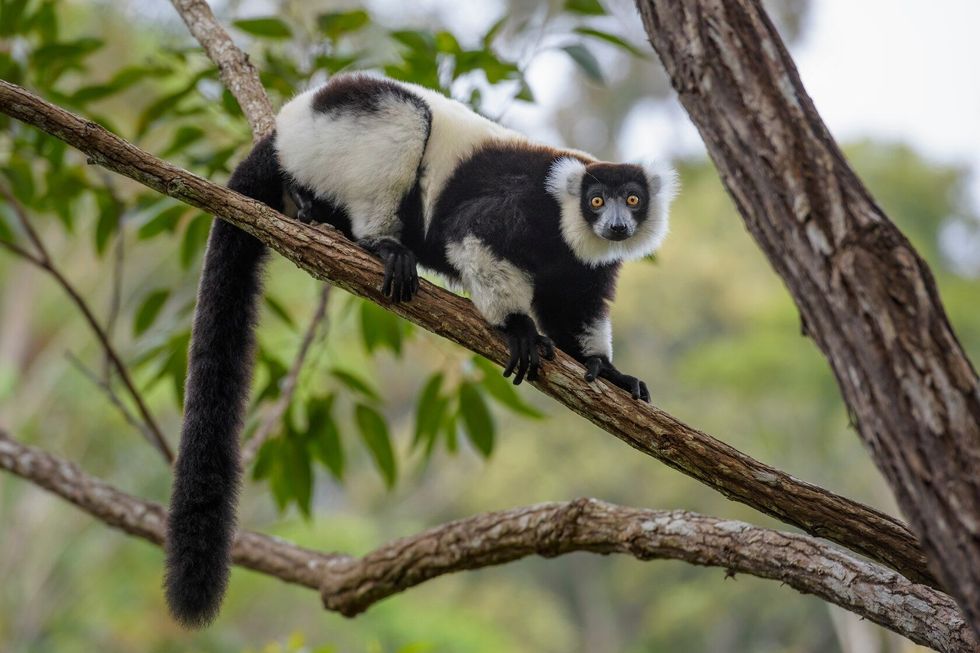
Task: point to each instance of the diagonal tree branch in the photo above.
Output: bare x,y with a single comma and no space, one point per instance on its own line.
349,585
328,256
277,411
43,260
865,295
236,71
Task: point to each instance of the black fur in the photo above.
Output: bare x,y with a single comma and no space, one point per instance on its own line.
359,93
498,196
207,472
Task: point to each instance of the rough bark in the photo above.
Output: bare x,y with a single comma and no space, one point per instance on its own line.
326,255
864,294
349,585
236,71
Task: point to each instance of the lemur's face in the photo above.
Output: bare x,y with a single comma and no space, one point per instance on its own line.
614,199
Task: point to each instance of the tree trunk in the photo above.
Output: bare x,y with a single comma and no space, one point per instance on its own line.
865,296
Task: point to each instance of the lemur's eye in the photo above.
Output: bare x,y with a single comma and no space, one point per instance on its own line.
597,202
632,200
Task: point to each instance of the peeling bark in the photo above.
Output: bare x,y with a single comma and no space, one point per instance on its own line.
349,585
868,300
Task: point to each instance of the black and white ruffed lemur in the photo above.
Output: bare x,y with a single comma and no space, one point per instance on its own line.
535,234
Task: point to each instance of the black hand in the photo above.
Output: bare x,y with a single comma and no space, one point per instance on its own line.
401,280
599,366
523,340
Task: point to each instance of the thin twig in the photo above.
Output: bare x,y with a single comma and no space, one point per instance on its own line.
350,584
236,71
273,418
43,260
106,388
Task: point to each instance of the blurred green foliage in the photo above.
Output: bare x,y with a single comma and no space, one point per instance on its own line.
390,429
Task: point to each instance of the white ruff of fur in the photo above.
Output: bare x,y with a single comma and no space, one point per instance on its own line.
565,183
497,287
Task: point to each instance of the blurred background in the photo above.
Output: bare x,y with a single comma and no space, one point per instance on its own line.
707,324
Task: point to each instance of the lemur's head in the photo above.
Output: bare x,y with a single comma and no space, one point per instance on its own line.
611,211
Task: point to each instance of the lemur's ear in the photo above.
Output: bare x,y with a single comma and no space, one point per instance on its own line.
565,178
662,180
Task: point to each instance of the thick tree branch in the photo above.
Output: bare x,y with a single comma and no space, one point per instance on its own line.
350,585
326,255
236,71
866,297
43,260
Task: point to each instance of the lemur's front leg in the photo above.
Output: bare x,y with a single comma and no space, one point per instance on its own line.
401,280
595,342
523,340
502,292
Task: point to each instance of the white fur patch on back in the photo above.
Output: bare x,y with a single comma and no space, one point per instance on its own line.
366,162
457,132
564,183
596,338
497,287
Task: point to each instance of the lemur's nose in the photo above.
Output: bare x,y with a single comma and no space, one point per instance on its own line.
619,227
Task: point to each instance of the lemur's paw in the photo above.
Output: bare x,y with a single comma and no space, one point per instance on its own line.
599,366
524,340
401,280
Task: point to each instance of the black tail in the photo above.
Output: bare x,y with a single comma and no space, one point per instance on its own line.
207,472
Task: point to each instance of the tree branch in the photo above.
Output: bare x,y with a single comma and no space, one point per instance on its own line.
869,300
43,260
349,585
236,71
326,255
274,416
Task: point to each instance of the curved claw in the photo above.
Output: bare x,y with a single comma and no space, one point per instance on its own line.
524,341
401,280
599,366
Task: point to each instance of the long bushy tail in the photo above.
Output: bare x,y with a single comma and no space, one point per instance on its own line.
207,472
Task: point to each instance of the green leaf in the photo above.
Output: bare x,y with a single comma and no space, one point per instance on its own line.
184,136
476,418
269,27
267,458
165,220
613,39
333,25
494,30
429,410
415,40
108,221
299,472
586,61
10,23
503,390
325,436
276,371
447,43
195,238
355,383
380,328
279,311
374,432
149,310
587,7
18,172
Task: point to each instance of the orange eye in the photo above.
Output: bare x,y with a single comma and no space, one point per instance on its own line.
632,200
597,202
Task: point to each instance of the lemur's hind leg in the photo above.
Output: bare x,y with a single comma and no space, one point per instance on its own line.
502,293
401,280
303,199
